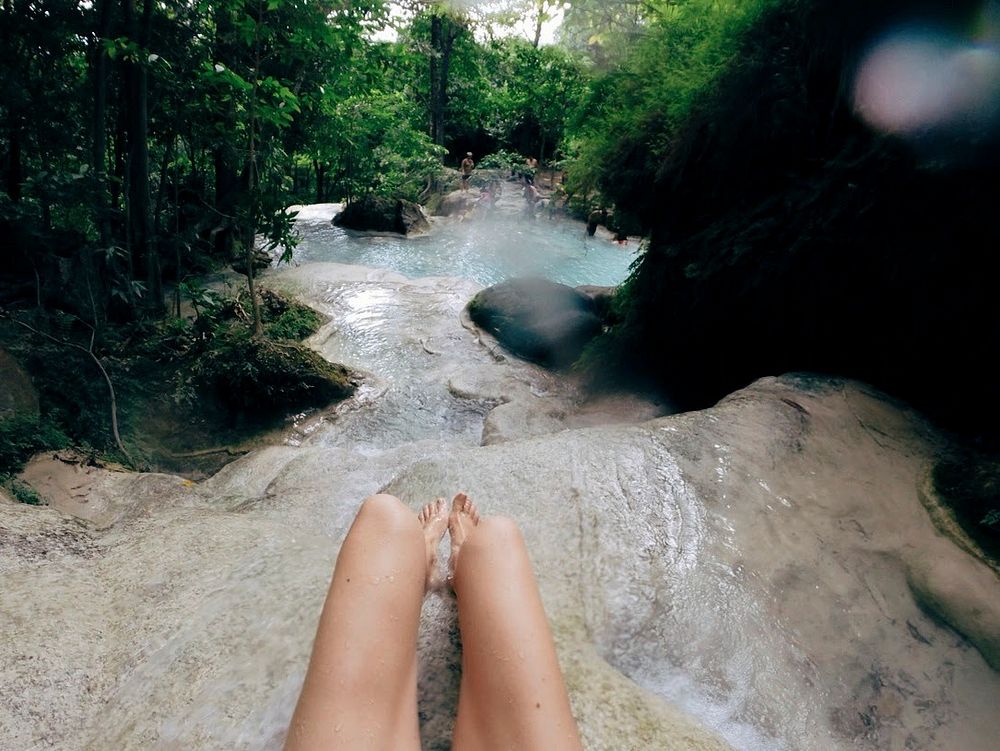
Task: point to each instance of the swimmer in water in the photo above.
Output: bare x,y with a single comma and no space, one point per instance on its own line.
360,690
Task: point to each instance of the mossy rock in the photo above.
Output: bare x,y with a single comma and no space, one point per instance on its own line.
266,377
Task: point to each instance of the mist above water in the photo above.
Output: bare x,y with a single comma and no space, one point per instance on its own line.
486,251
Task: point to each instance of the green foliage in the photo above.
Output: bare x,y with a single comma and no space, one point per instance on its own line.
207,303
519,94
22,436
604,30
173,377
21,492
297,322
630,116
502,93
260,375
501,159
373,146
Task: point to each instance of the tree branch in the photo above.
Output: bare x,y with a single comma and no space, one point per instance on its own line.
97,362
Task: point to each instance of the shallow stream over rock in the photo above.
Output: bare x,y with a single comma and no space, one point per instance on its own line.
757,575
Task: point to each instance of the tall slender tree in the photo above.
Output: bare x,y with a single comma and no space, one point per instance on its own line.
142,244
445,27
99,139
542,12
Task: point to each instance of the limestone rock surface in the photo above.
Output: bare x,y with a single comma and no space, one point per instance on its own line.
457,202
759,575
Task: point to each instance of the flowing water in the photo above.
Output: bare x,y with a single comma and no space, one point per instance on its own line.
753,564
385,329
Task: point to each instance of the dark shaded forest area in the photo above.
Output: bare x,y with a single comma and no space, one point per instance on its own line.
789,234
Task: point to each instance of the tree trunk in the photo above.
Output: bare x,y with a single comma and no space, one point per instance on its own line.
161,190
320,175
11,168
253,191
14,169
120,164
436,104
140,219
99,145
227,191
539,18
443,33
227,180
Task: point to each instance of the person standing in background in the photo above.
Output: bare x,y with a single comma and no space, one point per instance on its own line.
467,166
530,168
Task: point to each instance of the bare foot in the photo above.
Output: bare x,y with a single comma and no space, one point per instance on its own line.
463,517
434,519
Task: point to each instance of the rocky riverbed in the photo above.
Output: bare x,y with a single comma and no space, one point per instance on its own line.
759,575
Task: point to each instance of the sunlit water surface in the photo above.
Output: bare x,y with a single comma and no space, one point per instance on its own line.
486,251
388,329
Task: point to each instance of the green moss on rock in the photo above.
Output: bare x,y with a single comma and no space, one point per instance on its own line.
266,376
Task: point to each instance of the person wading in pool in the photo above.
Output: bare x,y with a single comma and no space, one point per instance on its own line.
360,690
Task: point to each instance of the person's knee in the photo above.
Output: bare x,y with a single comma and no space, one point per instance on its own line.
498,531
388,513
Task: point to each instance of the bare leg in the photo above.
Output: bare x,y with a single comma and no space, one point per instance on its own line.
360,691
512,694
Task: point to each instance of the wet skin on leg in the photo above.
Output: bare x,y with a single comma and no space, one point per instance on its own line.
360,691
512,692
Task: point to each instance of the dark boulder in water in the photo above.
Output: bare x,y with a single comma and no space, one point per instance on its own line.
538,320
381,214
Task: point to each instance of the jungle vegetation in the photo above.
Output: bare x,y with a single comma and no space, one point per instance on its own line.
144,143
